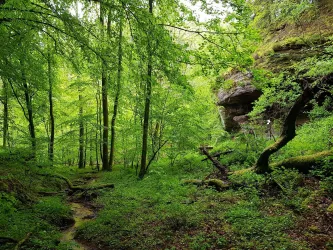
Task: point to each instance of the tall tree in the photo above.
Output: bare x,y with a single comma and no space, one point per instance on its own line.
105,162
5,113
81,131
28,103
50,95
118,86
148,89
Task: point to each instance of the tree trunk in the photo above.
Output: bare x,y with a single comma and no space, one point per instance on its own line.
51,142
28,103
81,133
91,162
5,113
288,130
116,100
143,168
97,137
105,159
85,146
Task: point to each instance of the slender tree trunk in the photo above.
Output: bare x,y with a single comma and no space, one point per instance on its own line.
105,158
143,165
81,136
91,162
85,147
51,142
62,147
97,137
5,113
28,102
116,100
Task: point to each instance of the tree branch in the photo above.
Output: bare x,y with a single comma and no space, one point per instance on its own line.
200,31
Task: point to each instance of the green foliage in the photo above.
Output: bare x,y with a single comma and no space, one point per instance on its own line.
53,211
257,230
248,179
325,174
305,143
327,185
8,203
316,66
321,111
270,14
287,179
280,91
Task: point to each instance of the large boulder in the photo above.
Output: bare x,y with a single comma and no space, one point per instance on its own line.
237,102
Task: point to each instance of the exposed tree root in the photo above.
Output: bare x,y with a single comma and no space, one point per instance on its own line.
302,163
219,185
77,188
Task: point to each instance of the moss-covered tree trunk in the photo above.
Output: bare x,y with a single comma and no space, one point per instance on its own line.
288,130
289,126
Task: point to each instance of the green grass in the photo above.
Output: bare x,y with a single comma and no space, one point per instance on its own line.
272,211
160,213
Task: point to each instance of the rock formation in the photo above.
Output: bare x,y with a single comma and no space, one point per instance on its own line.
237,102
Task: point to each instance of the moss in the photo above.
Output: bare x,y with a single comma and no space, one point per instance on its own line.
302,163
314,229
330,208
217,184
312,199
291,43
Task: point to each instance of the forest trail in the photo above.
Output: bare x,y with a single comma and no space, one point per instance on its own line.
82,212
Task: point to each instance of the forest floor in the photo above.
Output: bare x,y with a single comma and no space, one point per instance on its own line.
159,212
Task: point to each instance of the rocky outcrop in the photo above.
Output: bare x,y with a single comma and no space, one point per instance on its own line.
283,49
237,102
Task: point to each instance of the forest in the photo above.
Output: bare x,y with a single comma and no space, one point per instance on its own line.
166,124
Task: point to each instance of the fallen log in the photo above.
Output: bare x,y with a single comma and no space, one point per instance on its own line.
223,169
218,154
